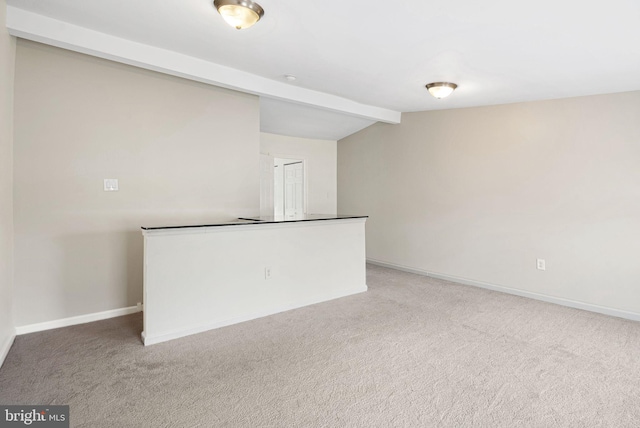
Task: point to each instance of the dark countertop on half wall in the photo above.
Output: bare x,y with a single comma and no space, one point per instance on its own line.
263,220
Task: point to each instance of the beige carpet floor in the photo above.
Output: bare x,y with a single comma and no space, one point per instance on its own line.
411,352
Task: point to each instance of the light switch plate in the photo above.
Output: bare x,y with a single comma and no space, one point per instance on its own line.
110,184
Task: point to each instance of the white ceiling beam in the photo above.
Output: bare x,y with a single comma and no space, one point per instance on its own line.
39,28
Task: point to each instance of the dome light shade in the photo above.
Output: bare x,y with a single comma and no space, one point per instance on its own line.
239,14
441,89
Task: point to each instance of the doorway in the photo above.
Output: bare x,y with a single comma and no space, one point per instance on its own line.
288,188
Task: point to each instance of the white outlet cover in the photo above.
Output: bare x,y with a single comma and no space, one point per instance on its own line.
540,264
110,184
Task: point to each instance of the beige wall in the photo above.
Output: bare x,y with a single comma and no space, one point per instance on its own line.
7,57
320,163
183,152
480,193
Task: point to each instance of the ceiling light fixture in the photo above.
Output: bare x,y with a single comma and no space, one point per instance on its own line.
239,14
441,89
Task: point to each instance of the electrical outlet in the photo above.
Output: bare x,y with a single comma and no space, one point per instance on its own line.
267,273
540,264
140,306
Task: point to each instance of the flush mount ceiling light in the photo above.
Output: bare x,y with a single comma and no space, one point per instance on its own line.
239,14
441,89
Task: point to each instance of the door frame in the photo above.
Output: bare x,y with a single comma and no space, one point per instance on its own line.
305,175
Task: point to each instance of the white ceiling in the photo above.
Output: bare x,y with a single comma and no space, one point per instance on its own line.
358,62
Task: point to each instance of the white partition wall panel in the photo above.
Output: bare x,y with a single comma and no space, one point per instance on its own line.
201,278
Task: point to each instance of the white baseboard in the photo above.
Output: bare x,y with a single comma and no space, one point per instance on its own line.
634,316
5,347
80,319
159,338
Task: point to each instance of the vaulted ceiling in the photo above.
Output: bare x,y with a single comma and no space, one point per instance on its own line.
356,61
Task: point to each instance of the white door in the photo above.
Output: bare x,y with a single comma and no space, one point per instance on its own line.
266,185
293,190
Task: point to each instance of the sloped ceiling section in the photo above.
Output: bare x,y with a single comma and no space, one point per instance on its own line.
296,120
